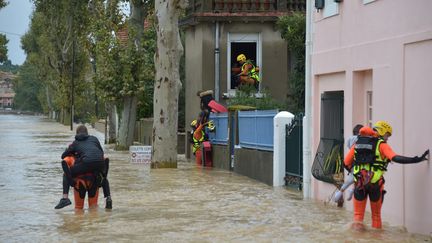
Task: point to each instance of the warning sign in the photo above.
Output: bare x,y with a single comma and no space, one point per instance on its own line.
140,154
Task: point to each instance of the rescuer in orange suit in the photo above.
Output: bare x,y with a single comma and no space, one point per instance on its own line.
368,159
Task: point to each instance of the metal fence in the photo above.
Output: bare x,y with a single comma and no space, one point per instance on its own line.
294,152
220,135
256,129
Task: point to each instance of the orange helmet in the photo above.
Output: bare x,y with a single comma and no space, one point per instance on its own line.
382,127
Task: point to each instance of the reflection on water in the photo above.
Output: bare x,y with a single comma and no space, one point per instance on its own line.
188,204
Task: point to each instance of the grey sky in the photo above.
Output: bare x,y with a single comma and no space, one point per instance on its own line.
14,21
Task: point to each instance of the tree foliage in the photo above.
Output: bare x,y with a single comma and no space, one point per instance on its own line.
80,41
7,66
3,48
124,67
3,40
293,30
55,45
28,89
245,96
3,3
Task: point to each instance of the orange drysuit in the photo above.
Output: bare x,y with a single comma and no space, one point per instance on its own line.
374,190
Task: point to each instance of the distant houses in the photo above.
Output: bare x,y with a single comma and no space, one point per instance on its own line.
6,90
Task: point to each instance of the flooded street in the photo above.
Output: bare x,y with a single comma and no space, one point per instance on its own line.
188,204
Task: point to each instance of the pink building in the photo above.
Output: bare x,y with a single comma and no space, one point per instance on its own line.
372,60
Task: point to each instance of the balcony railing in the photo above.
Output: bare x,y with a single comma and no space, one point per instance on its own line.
247,6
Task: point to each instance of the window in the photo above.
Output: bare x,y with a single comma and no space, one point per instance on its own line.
369,107
248,44
331,8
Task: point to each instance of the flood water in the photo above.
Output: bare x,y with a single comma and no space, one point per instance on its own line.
188,204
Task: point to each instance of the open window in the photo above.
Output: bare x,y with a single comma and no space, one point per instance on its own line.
247,44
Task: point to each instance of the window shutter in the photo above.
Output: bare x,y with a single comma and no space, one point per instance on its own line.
319,4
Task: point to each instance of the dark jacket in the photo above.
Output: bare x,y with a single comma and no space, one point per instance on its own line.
85,148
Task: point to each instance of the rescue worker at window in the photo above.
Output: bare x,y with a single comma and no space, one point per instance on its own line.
200,129
249,73
368,159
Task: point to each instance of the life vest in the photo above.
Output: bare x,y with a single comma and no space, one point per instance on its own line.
367,157
197,142
252,72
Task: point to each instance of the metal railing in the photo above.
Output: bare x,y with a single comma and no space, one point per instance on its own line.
233,6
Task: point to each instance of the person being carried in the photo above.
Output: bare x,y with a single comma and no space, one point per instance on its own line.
368,159
199,134
87,183
85,155
350,178
248,72
208,103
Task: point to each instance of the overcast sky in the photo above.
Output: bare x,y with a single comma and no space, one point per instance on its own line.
14,22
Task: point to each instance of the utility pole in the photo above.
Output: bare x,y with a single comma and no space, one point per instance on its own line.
73,69
93,62
73,84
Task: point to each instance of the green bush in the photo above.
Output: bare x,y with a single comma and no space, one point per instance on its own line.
293,30
246,96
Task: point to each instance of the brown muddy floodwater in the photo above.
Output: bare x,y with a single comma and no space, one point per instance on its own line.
188,204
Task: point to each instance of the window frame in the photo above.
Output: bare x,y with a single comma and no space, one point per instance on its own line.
331,8
369,107
238,38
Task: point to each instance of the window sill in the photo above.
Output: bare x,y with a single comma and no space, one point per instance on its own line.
232,94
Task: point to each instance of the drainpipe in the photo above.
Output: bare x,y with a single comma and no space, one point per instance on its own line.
307,120
217,64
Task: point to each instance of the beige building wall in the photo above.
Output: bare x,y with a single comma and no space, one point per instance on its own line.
383,47
200,61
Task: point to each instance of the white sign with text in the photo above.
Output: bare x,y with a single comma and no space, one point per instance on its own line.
140,154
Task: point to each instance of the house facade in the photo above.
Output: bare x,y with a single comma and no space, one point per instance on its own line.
372,60
6,90
217,31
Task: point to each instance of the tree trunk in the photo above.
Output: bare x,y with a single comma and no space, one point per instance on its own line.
49,103
127,123
112,123
167,84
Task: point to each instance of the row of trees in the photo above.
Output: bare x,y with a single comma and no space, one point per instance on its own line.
87,60
3,40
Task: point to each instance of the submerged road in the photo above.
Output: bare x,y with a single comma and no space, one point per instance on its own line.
188,204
